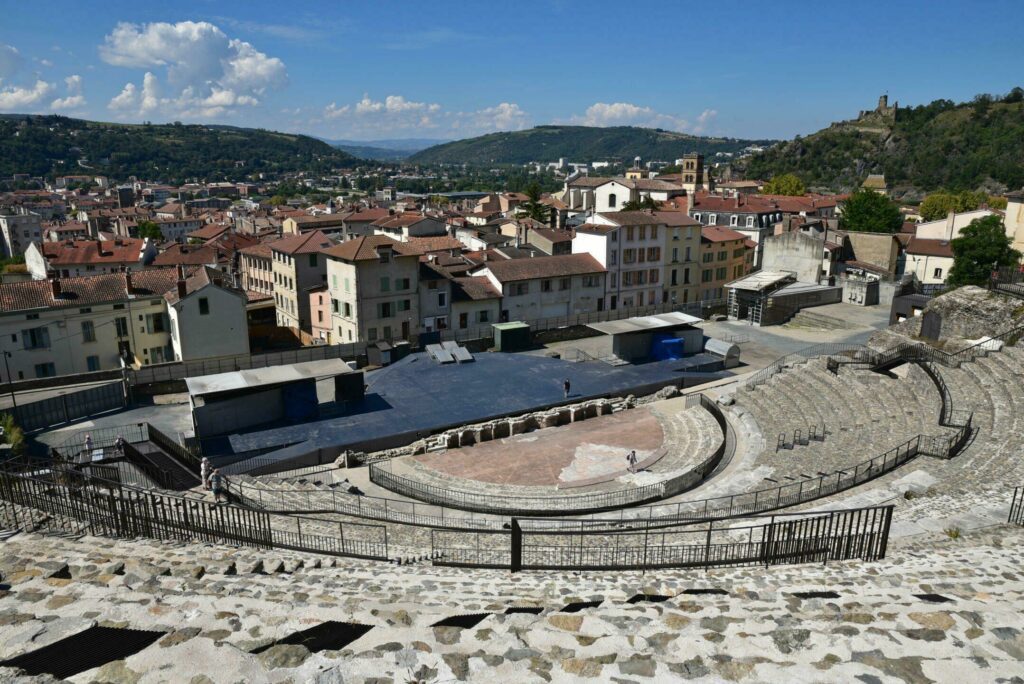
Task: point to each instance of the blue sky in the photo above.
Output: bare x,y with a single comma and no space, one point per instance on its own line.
445,70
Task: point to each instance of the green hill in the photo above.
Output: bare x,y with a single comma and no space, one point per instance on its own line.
576,144
57,145
966,146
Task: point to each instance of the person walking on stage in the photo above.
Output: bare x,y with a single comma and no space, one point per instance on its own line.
631,460
565,387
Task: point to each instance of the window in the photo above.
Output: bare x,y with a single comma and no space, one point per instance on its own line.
675,255
347,288
319,316
463,320
36,338
334,281
653,253
629,232
371,335
118,307
442,300
937,273
720,273
627,278
564,283
92,362
204,306
483,316
696,217
405,305
654,276
750,222
45,370
155,323
385,284
687,254
613,258
385,310
654,232
705,275
32,317
612,200
686,276
590,281
312,260
402,284
384,256
734,220
88,331
628,256
545,286
520,288
737,253
723,255
712,219
346,309
86,310
642,233
737,271
707,257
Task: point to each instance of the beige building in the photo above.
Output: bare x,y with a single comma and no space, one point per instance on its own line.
81,324
256,269
682,253
725,256
547,286
1015,219
298,265
374,286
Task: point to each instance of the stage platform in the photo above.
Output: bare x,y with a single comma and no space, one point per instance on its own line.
417,396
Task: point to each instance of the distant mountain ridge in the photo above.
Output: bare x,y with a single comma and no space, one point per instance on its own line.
957,146
577,144
394,149
59,145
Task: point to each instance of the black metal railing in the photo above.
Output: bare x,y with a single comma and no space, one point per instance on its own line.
66,499
1017,507
781,539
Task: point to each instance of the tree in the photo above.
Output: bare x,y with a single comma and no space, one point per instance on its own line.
867,211
982,247
532,207
639,205
938,204
13,434
278,200
148,229
786,184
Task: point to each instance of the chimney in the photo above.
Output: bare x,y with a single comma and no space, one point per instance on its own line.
128,280
181,288
181,271
55,287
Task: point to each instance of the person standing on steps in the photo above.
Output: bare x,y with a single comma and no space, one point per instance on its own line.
565,387
88,447
204,472
217,484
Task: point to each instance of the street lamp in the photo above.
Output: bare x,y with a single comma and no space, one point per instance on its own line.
10,378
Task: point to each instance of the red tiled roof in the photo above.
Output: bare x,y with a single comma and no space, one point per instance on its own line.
366,215
438,243
200,278
306,243
261,249
720,234
87,290
543,267
365,248
195,255
474,288
119,250
936,248
210,230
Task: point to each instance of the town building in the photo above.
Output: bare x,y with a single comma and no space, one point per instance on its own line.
207,317
723,258
298,265
374,287
546,287
19,231
401,227
630,246
80,324
929,260
72,258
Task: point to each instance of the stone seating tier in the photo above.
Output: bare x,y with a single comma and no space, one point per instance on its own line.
771,624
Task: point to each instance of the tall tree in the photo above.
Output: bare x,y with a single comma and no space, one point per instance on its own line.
867,211
982,247
785,184
533,208
938,204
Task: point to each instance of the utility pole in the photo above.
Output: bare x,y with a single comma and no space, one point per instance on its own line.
10,379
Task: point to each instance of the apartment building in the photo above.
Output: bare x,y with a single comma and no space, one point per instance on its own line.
374,286
547,286
402,227
682,255
630,245
725,255
298,265
80,324
256,269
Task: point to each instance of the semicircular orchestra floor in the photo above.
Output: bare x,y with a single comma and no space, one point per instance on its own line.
557,456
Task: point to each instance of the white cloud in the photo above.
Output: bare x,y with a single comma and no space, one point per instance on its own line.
207,72
396,115
16,98
705,119
75,98
628,114
10,61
